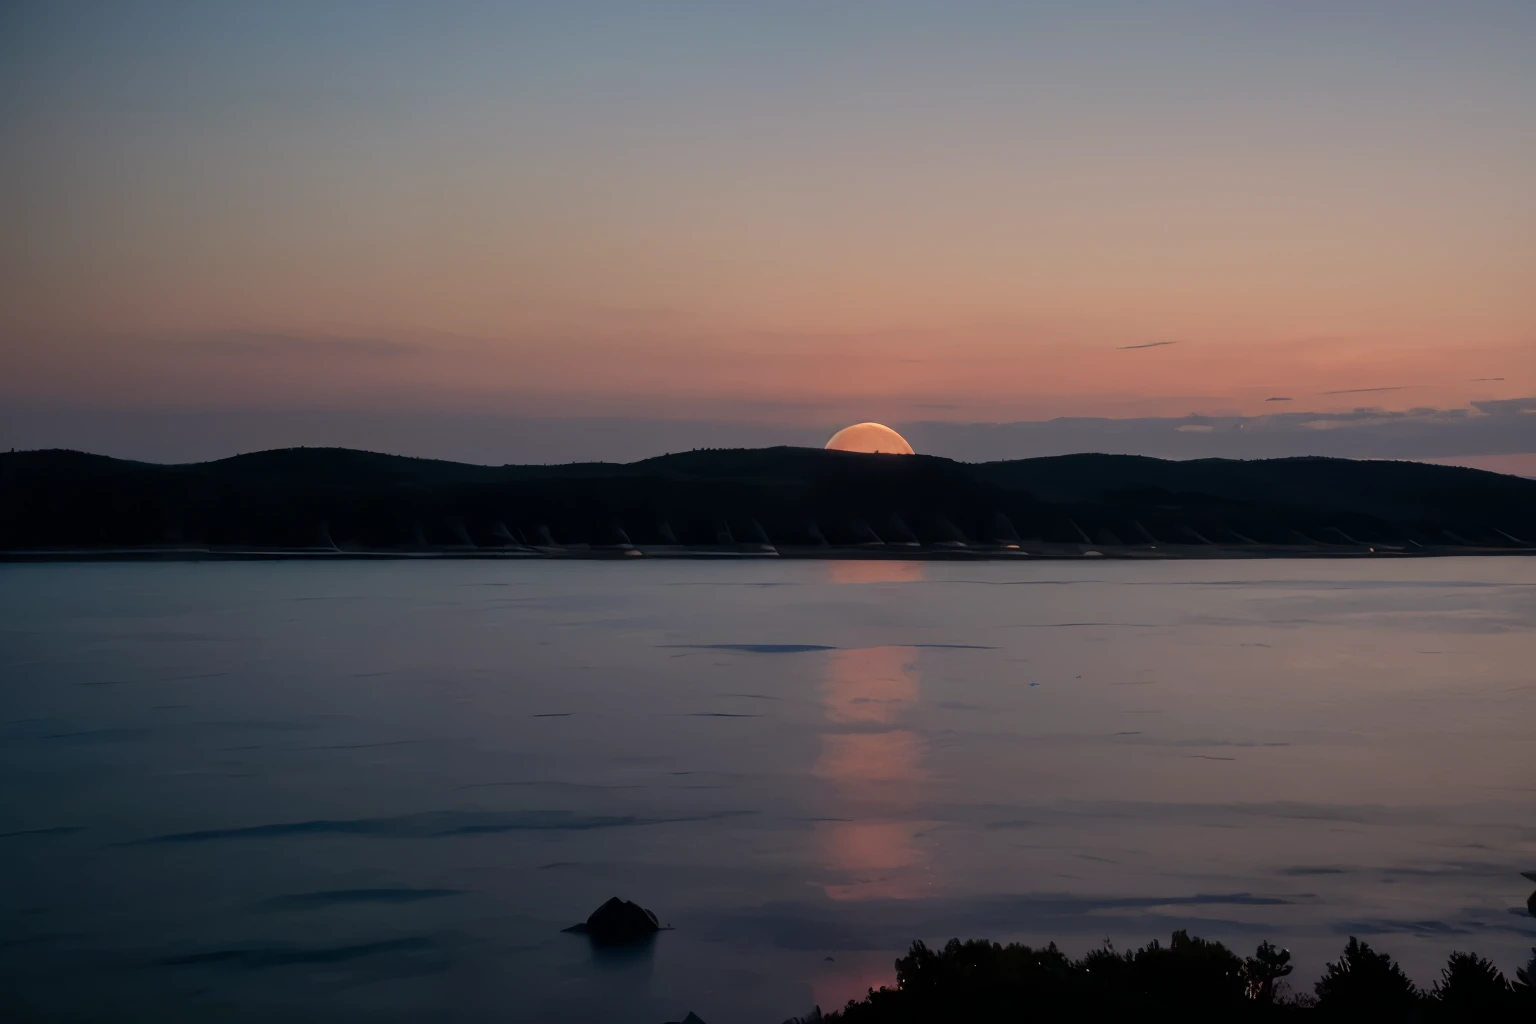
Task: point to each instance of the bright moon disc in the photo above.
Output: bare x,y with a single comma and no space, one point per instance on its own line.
870,437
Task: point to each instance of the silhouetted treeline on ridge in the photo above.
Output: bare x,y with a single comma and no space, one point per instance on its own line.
790,501
1189,979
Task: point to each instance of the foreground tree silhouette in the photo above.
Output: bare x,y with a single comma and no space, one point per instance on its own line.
1525,986
977,980
1471,988
1264,970
1197,978
1190,980
1365,983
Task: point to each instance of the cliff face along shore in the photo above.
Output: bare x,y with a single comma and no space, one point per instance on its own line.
794,502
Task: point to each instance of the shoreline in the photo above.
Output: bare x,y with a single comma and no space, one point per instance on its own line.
1031,553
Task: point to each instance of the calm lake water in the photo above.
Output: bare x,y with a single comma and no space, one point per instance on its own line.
377,791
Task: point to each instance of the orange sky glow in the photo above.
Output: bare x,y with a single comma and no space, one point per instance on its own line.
1006,215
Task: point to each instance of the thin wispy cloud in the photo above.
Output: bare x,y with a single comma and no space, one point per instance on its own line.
1150,344
1365,391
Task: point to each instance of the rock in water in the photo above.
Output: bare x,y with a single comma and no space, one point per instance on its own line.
618,922
692,1018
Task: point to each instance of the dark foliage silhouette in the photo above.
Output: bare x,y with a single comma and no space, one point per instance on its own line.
1525,986
1203,980
1264,971
1473,989
1189,979
1364,982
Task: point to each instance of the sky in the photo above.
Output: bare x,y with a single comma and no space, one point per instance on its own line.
528,232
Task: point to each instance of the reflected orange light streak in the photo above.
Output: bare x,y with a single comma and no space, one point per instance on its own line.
870,685
873,570
877,857
860,759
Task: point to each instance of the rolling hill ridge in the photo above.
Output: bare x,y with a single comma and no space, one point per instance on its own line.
787,501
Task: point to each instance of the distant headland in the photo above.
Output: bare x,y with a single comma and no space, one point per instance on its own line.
754,503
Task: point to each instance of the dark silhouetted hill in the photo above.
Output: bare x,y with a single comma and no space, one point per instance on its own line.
791,500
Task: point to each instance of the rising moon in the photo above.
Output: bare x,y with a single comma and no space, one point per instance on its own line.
870,437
